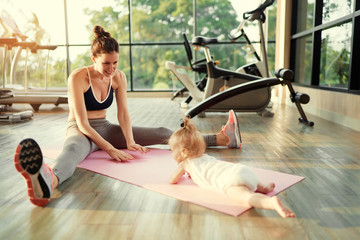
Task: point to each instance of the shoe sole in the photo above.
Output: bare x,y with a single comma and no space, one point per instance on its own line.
237,133
28,162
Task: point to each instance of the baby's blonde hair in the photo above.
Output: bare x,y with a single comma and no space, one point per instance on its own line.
188,137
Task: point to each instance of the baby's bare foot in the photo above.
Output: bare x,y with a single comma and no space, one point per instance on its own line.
281,209
265,188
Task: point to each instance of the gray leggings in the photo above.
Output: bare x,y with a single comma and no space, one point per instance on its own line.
77,146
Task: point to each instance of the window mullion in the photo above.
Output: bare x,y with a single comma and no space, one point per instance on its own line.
315,75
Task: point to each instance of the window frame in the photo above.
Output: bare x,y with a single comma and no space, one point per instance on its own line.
316,31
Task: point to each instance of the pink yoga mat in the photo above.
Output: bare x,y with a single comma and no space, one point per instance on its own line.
152,171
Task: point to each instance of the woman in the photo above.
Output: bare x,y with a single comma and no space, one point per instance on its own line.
90,91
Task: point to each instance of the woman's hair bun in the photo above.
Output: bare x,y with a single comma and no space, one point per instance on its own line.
103,42
99,32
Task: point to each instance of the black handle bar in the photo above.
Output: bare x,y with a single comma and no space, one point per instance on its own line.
260,8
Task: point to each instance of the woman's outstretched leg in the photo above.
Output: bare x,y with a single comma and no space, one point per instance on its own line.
228,136
39,177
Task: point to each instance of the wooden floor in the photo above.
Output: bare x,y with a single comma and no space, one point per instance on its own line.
92,206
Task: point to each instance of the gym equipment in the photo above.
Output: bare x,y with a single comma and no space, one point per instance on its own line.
216,80
7,94
198,67
254,91
35,99
259,68
13,117
282,77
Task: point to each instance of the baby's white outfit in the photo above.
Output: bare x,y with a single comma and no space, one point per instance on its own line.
208,172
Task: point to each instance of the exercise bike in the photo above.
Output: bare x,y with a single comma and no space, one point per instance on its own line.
210,84
282,77
198,67
248,92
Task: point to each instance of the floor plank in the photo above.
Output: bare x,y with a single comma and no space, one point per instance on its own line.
91,206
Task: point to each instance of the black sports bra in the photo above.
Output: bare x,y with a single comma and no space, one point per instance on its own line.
91,103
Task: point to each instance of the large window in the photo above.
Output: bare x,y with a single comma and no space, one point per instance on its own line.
149,33
42,69
335,56
325,41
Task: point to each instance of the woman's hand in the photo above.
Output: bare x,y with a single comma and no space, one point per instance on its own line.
135,147
119,155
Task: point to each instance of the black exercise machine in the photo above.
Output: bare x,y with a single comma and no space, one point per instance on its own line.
282,77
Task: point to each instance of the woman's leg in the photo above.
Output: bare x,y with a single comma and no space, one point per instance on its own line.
39,178
244,195
146,136
76,147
